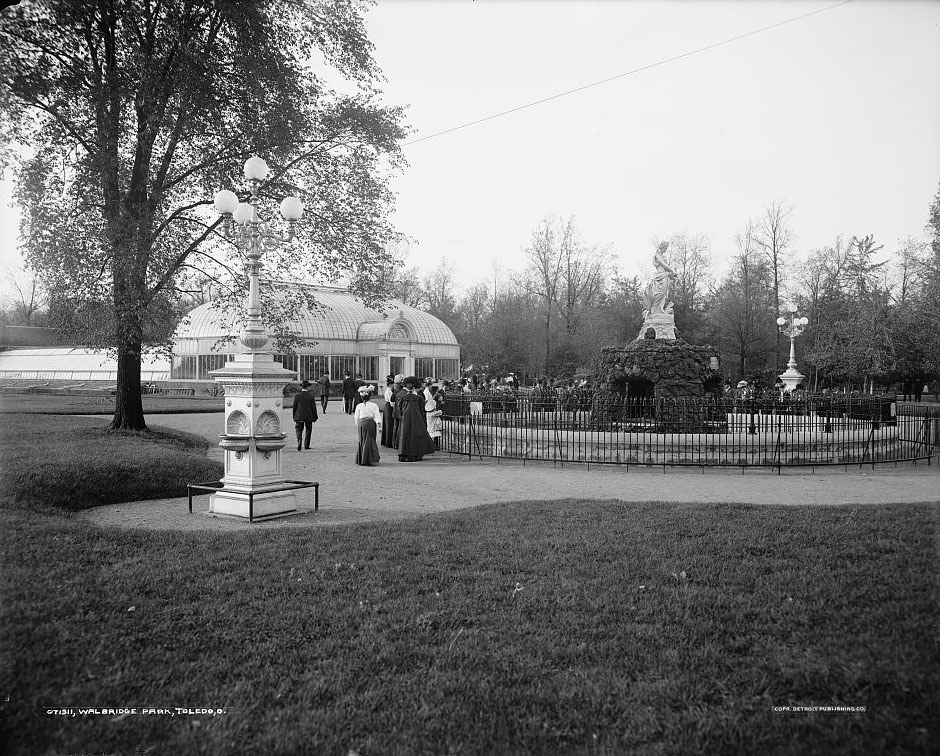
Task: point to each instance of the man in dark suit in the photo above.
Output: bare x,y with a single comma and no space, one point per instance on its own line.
349,393
324,391
305,415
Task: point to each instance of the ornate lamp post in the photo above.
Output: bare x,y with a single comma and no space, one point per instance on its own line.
791,377
253,382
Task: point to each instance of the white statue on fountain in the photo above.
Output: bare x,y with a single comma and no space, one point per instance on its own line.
657,313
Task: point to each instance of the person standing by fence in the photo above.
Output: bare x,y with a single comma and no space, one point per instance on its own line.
433,410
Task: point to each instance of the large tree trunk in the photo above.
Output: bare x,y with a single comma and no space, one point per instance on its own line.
128,406
128,296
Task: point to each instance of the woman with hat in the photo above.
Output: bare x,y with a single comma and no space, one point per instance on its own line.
398,391
414,441
368,422
363,393
388,413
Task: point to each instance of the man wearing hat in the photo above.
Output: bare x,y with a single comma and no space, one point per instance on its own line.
324,390
349,393
305,415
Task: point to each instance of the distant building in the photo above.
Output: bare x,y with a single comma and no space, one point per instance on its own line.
344,335
73,365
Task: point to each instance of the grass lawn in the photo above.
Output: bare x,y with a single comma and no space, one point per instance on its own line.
571,627
72,463
83,404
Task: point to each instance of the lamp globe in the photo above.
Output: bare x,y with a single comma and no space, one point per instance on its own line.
225,202
291,208
244,213
256,169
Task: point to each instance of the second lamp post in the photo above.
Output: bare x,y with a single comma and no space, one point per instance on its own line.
792,377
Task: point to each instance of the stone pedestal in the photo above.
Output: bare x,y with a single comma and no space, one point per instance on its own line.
791,378
663,326
253,439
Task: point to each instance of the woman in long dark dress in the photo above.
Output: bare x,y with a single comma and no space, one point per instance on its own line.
415,441
399,391
388,413
368,419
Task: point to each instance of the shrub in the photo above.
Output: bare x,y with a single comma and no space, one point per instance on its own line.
75,463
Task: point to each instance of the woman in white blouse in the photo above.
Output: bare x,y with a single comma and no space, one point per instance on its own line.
369,422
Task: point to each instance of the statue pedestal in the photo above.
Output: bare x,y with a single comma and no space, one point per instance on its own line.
663,325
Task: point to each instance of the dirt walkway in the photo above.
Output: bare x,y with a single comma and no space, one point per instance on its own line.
395,490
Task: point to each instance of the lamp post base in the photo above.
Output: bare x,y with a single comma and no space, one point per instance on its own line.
253,506
791,379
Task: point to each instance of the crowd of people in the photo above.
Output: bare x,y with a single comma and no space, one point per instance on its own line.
410,419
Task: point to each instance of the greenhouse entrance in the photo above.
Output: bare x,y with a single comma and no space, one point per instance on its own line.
396,364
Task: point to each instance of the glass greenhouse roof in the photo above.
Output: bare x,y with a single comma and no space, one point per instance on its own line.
341,317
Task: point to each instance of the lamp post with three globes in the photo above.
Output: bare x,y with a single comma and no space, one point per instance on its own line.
253,382
792,377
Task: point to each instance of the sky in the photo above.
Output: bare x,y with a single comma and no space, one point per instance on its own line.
836,115
688,117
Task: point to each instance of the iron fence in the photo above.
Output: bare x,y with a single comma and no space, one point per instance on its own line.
606,429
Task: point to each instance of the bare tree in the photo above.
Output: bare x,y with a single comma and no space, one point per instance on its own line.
566,275
475,306
866,277
820,282
583,274
543,275
742,304
912,264
774,237
28,301
690,257
394,276
438,286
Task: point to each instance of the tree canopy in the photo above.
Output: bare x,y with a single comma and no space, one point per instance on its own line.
135,112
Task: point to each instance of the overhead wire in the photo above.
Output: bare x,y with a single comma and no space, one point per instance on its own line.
632,72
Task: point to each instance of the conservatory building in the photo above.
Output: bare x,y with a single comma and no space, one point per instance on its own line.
343,335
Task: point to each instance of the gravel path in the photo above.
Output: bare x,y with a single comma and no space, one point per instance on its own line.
395,490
